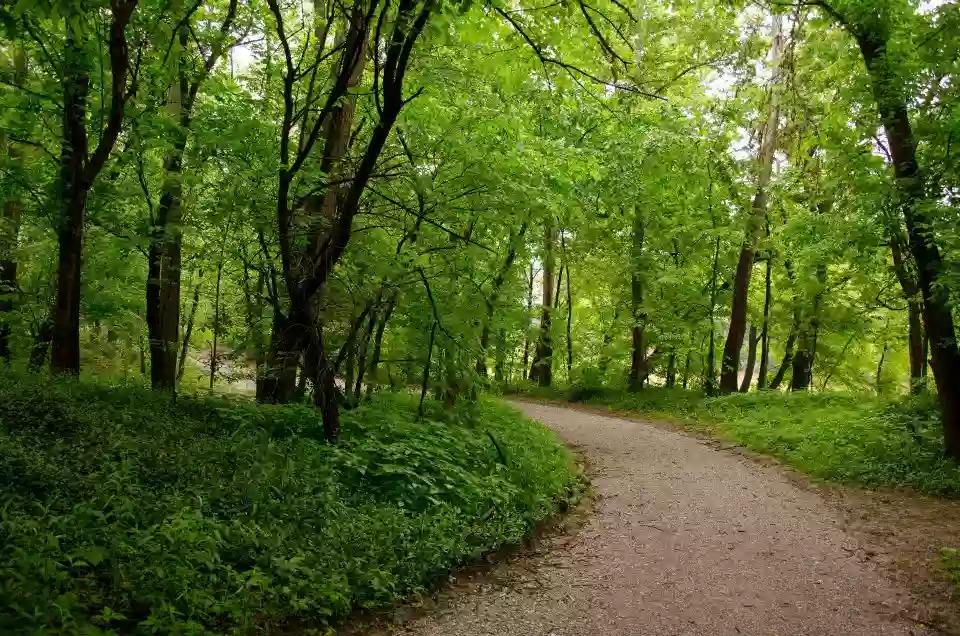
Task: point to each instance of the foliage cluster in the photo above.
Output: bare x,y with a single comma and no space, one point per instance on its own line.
127,512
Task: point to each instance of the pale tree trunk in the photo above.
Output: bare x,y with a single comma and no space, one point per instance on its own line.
730,366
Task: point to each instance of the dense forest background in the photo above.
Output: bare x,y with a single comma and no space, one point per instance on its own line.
316,199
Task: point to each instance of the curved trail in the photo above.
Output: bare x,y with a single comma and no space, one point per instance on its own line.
685,540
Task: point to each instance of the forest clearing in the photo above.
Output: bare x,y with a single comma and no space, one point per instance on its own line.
270,271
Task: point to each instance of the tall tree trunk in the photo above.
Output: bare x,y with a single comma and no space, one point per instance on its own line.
751,359
526,331
10,229
765,330
911,293
569,328
638,355
890,96
709,385
604,362
730,366
41,345
671,370
188,329
787,357
73,196
883,355
494,296
541,371
378,342
78,170
686,369
216,312
164,257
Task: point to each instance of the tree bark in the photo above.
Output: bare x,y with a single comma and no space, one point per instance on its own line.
10,231
751,359
78,170
730,365
911,294
891,101
787,358
765,330
378,341
526,332
638,355
494,296
569,328
188,330
709,382
541,371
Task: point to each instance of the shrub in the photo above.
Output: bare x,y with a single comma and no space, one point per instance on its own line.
128,512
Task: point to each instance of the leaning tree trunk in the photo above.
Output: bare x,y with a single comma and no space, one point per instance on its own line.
541,371
765,330
891,101
730,365
787,361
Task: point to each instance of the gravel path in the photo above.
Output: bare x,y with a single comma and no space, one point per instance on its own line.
685,540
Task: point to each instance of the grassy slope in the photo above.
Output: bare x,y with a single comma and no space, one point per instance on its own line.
842,438
125,511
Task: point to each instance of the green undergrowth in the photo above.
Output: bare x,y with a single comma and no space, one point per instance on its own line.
844,438
124,512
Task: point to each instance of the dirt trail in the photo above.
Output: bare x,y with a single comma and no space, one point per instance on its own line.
685,540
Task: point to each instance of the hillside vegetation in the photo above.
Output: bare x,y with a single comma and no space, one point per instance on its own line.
129,512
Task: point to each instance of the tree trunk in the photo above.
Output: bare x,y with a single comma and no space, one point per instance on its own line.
526,331
787,358
751,359
883,355
765,331
10,230
541,371
686,369
188,330
638,354
65,357
494,296
280,375
569,328
378,342
604,362
889,93
709,385
41,345
911,293
671,370
730,366
164,258
78,170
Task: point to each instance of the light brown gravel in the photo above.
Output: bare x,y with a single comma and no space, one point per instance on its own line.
685,539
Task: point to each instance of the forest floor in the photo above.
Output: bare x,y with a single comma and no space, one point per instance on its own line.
692,537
